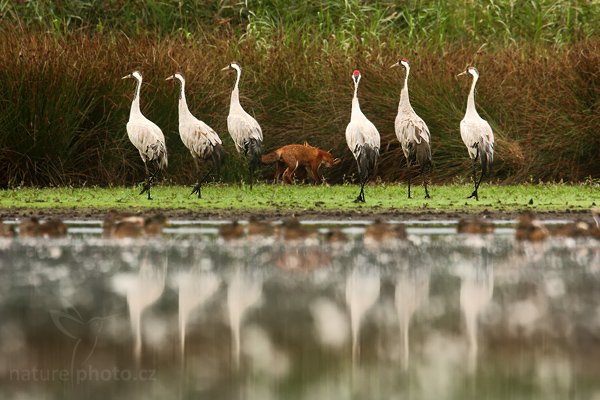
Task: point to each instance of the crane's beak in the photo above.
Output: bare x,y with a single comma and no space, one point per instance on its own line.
126,77
225,69
461,74
169,78
395,65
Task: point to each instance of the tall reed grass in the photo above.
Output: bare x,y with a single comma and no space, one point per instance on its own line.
410,21
63,107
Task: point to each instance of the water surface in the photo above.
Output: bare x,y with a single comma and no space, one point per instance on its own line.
191,316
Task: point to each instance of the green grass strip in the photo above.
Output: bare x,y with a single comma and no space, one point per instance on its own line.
447,198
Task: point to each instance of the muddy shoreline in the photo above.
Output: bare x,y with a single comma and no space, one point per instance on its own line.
326,215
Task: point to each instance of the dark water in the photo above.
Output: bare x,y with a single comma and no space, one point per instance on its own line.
190,316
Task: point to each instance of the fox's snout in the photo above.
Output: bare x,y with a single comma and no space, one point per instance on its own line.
332,161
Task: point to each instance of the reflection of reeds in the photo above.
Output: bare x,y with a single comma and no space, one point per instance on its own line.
64,109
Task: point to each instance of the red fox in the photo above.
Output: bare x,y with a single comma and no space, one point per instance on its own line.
293,156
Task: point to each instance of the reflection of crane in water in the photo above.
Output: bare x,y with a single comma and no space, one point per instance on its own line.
476,290
141,292
412,290
195,288
362,291
243,292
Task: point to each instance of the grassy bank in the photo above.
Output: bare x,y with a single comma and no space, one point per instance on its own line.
446,198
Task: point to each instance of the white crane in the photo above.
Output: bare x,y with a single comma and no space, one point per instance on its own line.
146,136
363,140
242,127
200,139
412,132
477,135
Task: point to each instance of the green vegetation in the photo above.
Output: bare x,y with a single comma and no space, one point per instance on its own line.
219,197
374,22
63,108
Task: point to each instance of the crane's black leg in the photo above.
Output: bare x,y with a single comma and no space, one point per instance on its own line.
425,180
147,185
475,182
251,174
409,196
477,185
198,186
361,194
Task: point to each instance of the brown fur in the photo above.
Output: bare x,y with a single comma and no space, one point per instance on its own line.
293,156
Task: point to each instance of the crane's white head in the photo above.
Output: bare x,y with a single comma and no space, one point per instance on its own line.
471,71
403,62
356,76
137,75
233,66
176,75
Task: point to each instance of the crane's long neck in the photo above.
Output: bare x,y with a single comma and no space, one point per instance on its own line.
404,99
471,99
355,106
235,94
184,111
135,105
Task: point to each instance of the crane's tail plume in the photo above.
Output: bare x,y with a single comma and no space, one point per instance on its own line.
423,155
157,152
486,155
218,157
253,152
367,161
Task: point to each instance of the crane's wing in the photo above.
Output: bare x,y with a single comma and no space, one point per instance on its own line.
199,138
414,137
477,135
360,133
242,127
371,134
410,127
147,137
354,138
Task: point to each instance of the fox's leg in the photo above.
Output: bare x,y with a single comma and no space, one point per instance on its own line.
314,175
288,175
289,172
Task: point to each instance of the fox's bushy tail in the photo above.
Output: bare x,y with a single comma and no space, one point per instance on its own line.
270,158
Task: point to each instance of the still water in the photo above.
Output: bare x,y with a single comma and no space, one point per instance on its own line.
440,316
